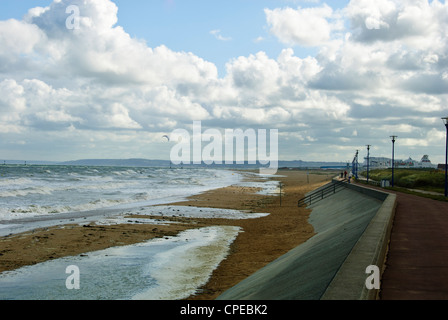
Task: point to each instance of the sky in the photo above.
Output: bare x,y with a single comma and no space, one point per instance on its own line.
330,76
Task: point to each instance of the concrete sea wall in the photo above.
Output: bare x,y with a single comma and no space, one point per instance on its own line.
352,232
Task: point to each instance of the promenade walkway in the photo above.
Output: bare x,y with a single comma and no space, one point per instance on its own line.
417,261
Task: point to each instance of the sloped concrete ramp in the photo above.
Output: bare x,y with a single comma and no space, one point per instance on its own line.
306,272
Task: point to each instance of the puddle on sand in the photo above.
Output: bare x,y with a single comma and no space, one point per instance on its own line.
168,268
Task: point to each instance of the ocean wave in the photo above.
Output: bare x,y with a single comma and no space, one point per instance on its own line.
31,191
15,181
25,192
36,210
125,172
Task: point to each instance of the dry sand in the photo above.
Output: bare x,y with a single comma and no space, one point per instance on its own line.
262,240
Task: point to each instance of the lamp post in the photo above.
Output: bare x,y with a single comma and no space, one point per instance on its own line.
445,121
368,162
393,160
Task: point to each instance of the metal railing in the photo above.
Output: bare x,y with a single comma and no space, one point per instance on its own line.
322,193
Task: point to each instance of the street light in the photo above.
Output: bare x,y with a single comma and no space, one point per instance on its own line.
445,121
368,162
393,161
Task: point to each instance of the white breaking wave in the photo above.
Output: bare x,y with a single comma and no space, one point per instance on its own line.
26,191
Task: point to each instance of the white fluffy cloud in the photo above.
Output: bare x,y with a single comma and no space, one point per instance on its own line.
378,62
12,104
307,27
417,23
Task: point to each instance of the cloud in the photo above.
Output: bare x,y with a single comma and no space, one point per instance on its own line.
306,27
378,64
392,58
217,34
427,83
12,104
86,63
416,23
17,37
102,50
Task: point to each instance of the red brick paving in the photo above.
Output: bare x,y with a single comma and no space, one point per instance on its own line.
417,261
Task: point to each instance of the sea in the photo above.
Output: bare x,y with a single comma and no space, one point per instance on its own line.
39,196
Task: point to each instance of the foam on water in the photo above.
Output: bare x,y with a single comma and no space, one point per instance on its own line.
179,272
198,212
27,191
168,268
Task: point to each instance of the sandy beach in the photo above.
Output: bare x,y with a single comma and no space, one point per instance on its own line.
261,241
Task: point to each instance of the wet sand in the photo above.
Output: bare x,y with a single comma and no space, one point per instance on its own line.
261,241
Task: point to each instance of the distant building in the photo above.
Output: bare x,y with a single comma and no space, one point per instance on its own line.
384,163
425,161
441,166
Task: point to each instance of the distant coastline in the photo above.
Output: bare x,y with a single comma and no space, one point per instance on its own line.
138,162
